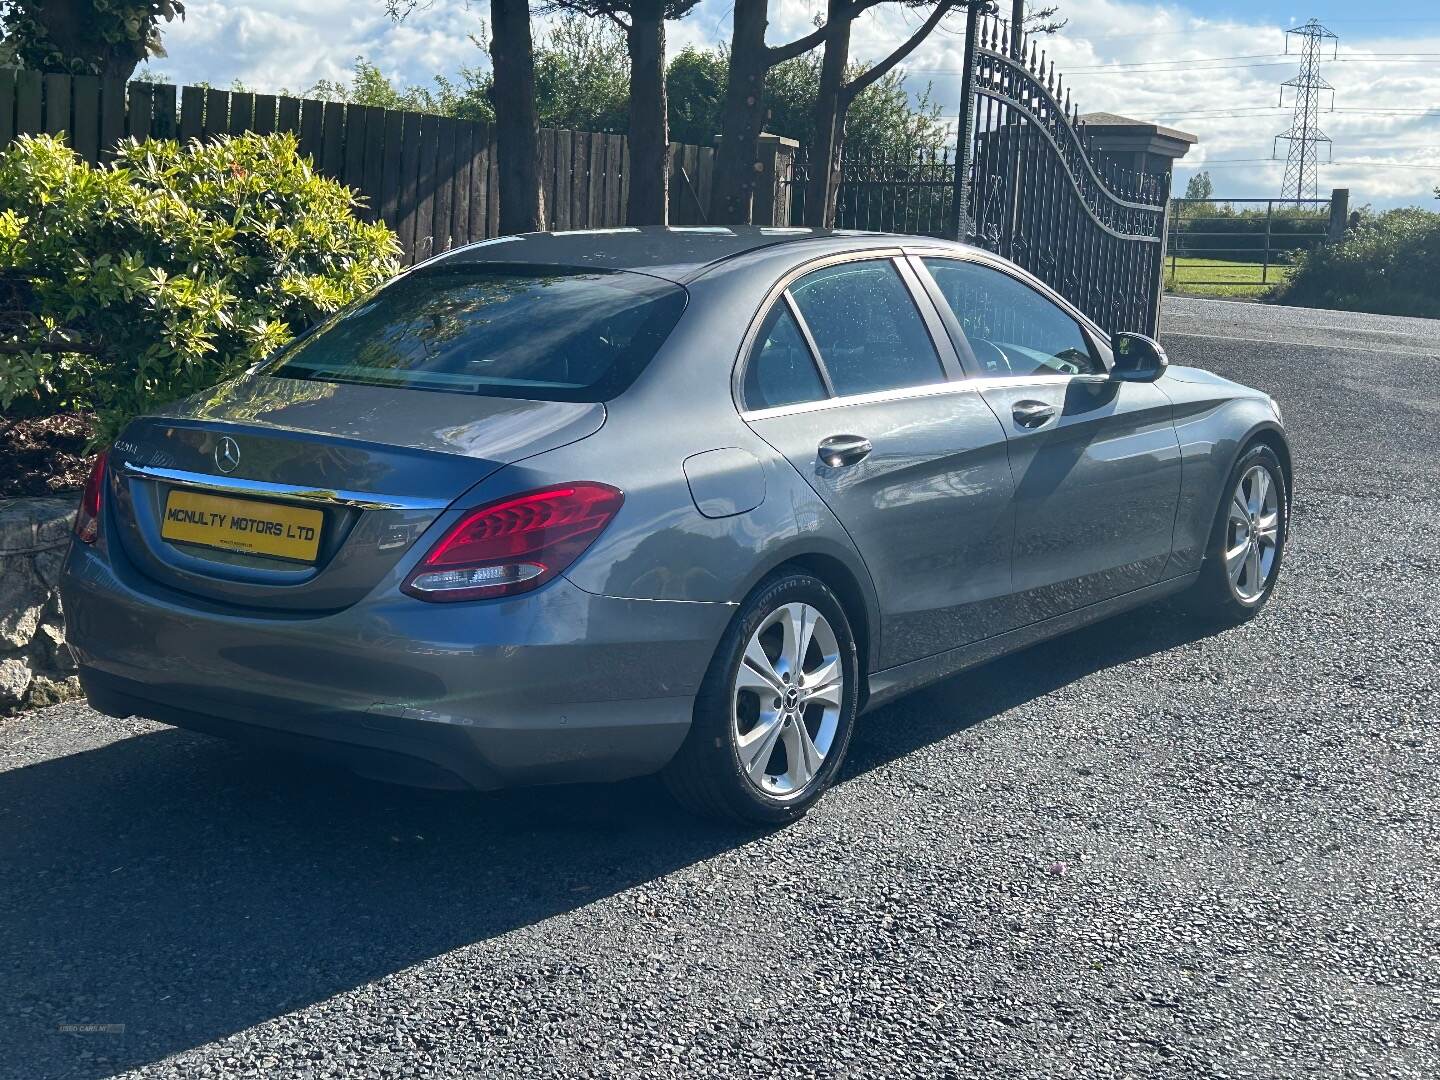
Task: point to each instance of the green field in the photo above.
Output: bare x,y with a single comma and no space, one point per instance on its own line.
1221,277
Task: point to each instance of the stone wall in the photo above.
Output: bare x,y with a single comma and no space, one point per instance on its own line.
35,665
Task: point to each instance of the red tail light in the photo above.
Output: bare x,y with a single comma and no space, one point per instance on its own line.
515,544
87,518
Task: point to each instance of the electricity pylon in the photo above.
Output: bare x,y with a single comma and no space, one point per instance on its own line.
1302,165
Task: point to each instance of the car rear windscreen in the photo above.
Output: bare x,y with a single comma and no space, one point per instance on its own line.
544,332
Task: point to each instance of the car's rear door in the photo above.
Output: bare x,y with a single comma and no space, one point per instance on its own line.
850,377
1096,463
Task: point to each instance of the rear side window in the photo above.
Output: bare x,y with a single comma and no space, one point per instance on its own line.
501,330
867,328
781,370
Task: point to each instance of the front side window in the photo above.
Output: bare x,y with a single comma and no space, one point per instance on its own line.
545,332
865,324
1011,328
781,370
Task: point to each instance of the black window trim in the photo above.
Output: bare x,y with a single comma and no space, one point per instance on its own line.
1092,334
951,367
809,339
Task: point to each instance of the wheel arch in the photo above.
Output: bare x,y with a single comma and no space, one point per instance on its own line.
857,601
1271,435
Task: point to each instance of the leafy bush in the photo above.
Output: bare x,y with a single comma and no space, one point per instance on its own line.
128,285
1389,265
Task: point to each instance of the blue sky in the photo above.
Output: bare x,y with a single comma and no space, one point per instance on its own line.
1211,67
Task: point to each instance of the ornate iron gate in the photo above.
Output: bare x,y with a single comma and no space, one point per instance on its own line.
1026,182
1033,189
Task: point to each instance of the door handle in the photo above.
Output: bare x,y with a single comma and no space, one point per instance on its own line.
1032,414
840,450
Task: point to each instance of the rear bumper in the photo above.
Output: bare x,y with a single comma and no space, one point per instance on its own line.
560,685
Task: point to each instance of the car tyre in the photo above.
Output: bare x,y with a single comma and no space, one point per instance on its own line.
776,709
1247,541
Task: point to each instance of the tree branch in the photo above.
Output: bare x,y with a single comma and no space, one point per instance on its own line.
857,86
778,54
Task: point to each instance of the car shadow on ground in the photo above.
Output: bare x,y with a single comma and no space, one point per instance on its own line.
187,889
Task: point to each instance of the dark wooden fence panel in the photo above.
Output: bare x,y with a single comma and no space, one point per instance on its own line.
445,185
579,180
164,124
85,135
287,115
312,123
217,113
7,105
141,112
192,113
386,197
242,113
373,163
557,211
112,116
27,103
57,104
264,114
432,179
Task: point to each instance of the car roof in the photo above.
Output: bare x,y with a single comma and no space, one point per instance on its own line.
675,253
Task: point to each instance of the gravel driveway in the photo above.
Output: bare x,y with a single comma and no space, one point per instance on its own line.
1141,850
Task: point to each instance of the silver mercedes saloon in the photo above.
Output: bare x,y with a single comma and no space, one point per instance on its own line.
592,505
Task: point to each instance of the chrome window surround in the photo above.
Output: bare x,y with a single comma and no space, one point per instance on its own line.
780,293
959,380
972,385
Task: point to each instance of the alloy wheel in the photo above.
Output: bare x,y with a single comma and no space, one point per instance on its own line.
1252,534
786,702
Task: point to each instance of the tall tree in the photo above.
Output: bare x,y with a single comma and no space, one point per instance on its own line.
85,37
736,169
643,22
517,128
836,94
1199,186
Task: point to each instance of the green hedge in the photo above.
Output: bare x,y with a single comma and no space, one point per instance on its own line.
128,285
1389,265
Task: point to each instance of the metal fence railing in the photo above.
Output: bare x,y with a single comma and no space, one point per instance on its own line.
1246,242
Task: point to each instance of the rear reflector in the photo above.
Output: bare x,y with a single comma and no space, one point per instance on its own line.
87,518
515,544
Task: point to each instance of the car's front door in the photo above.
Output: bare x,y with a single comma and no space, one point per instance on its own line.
844,378
1096,463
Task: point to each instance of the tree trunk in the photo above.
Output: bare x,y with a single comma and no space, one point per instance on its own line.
736,167
68,23
649,201
828,119
517,135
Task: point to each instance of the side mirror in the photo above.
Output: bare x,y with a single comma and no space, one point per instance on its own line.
1137,358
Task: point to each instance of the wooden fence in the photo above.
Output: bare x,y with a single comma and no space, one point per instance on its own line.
430,178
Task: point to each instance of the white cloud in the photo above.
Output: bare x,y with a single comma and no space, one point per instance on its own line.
272,44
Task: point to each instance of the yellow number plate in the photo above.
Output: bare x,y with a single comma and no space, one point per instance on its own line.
285,532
